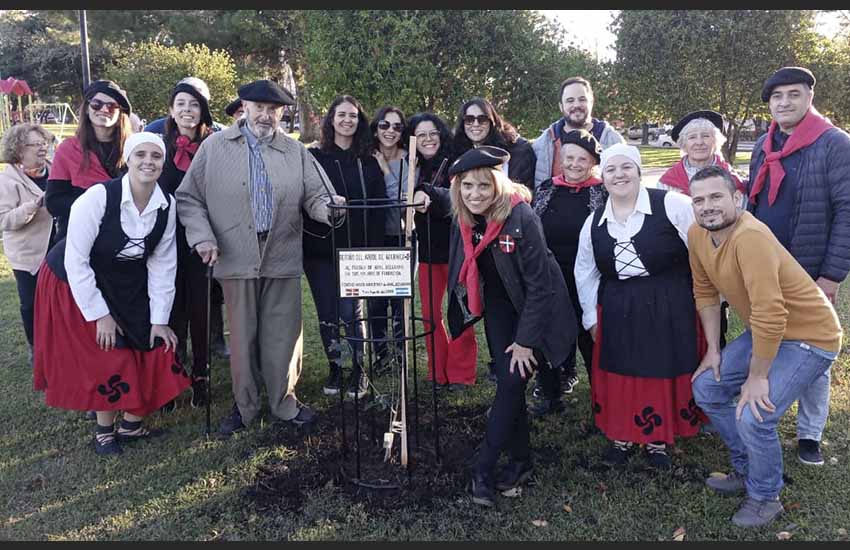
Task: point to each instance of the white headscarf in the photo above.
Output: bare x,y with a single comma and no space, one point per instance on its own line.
142,137
620,149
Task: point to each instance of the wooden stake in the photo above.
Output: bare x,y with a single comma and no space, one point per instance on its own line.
408,322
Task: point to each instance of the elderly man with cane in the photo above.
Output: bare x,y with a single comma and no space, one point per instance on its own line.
241,202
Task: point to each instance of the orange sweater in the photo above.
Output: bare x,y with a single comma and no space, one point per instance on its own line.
768,289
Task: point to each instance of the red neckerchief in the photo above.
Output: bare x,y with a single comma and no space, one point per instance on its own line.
468,276
676,176
186,149
589,182
806,133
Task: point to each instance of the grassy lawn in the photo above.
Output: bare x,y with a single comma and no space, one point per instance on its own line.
664,157
185,486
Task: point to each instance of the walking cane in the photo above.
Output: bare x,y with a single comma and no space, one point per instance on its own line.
209,345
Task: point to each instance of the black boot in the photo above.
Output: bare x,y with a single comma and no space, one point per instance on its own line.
218,346
334,381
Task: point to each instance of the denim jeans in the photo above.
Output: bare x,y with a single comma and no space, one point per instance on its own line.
754,446
320,276
813,408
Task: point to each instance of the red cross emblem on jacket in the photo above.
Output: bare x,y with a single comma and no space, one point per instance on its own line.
507,244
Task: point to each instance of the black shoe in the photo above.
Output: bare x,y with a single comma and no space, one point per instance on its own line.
231,423
107,444
91,415
199,392
169,407
357,382
618,453
219,349
334,381
482,491
305,417
658,458
570,383
808,452
546,406
537,392
456,387
513,475
138,433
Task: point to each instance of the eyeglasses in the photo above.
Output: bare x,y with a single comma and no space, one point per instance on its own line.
97,105
37,145
428,135
471,119
385,125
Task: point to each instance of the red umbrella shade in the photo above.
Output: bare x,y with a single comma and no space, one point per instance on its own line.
12,85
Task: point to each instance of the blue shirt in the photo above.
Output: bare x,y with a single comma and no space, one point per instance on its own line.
262,193
778,215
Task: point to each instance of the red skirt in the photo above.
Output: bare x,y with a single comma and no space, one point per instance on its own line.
76,374
643,409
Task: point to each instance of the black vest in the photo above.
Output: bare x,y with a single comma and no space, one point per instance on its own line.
122,282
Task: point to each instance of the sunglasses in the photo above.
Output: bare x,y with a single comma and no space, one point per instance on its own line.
97,105
471,119
385,125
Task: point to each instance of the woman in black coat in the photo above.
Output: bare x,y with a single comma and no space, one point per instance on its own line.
345,155
499,241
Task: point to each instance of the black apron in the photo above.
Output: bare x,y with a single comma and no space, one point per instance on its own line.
648,322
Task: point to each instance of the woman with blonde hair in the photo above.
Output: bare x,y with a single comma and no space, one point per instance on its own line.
500,269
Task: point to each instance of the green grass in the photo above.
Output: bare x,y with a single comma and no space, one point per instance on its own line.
664,157
187,487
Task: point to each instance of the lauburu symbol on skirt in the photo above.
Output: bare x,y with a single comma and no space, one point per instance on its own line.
116,388
648,421
691,414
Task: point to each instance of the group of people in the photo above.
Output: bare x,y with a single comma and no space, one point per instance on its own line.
556,244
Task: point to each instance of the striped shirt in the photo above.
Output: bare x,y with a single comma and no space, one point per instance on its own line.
262,192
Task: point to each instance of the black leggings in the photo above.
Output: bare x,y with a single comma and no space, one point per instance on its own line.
189,312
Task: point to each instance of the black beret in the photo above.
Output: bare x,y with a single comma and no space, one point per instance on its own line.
233,106
787,75
206,117
712,116
112,90
585,140
266,91
479,157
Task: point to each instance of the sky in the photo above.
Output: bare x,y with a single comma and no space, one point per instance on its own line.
590,27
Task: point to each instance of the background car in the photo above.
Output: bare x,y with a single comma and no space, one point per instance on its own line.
636,132
663,140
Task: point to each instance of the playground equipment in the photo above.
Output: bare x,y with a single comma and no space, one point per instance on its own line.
8,87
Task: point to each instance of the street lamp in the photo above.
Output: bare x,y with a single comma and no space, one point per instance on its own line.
84,47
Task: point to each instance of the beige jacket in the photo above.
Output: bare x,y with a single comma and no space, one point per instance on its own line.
214,204
25,225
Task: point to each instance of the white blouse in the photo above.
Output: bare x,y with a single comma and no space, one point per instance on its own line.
626,261
83,227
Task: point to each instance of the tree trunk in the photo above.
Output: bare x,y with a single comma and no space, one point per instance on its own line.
644,138
309,130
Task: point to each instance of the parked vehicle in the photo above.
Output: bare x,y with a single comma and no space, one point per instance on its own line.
663,140
636,132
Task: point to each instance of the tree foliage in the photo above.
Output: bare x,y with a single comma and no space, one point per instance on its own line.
149,71
435,60
673,62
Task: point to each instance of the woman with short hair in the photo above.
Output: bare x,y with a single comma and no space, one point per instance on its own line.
25,222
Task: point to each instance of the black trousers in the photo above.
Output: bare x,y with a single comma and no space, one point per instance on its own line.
26,293
189,312
507,425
